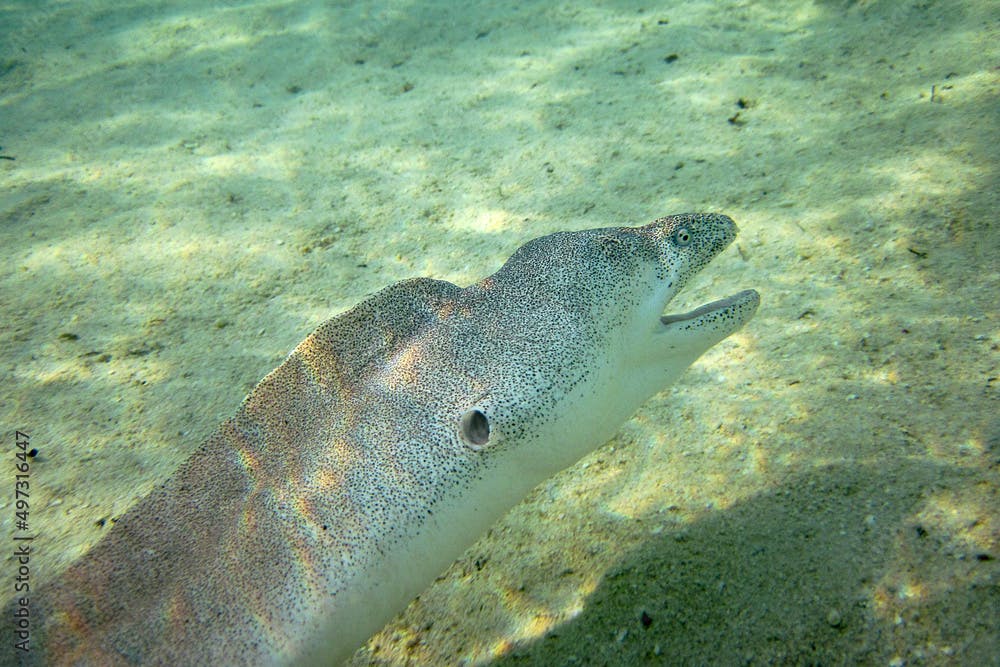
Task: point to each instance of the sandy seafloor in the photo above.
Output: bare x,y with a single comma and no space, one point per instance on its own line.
196,186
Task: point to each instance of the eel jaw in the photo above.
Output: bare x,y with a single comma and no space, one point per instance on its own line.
729,313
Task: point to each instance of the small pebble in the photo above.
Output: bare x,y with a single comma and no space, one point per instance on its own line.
834,619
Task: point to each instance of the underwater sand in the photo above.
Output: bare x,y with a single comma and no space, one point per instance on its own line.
194,188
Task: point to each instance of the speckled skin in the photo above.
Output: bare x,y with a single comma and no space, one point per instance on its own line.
381,448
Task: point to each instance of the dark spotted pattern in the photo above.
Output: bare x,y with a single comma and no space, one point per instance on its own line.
344,452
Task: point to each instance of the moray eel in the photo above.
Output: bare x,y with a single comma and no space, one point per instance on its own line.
381,448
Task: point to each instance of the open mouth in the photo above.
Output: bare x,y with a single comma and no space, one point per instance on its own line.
745,300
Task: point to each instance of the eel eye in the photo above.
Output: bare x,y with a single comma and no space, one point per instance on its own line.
682,237
475,428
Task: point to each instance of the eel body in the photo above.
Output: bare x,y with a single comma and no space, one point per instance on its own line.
381,448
